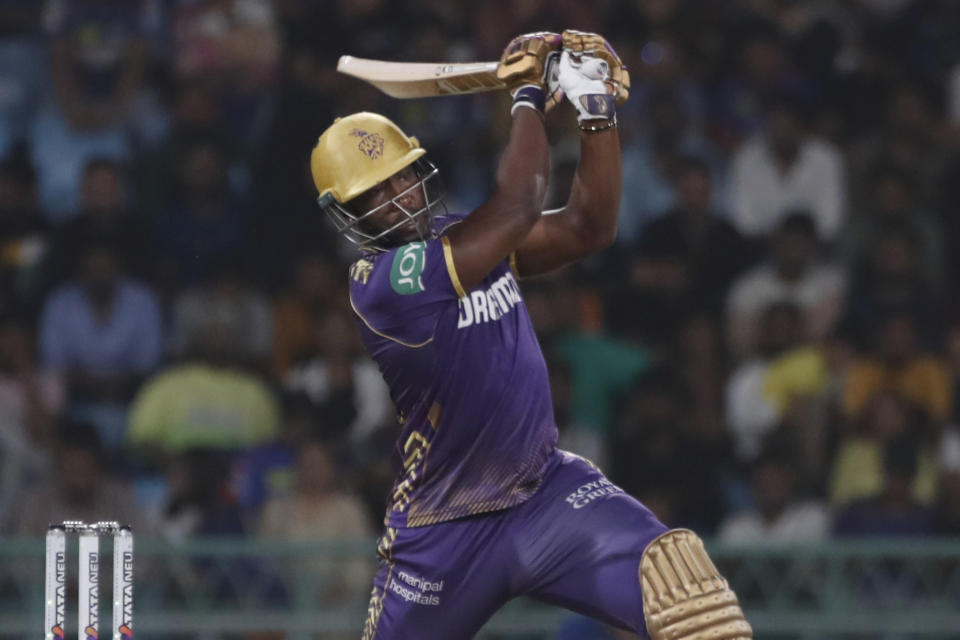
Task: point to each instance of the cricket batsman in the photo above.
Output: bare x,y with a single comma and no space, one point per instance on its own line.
485,507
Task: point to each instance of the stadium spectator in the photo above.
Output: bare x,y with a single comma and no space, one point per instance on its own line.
232,46
758,68
106,216
342,382
320,508
892,283
198,501
207,401
268,468
857,470
899,364
780,515
785,168
80,487
601,367
206,217
700,359
103,332
650,165
195,115
24,236
225,292
99,53
316,288
693,235
31,400
31,397
892,201
894,511
24,71
654,456
910,136
762,391
794,271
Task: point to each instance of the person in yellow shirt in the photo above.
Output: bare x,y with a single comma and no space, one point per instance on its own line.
857,470
897,365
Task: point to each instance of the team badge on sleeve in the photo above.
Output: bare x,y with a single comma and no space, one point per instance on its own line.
407,269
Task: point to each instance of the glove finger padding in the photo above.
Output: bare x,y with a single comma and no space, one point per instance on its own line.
524,60
580,43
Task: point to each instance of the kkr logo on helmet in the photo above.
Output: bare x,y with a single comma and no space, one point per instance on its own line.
370,143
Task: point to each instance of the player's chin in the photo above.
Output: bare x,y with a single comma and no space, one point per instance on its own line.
413,229
405,233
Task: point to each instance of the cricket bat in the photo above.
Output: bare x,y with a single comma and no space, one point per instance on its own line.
423,79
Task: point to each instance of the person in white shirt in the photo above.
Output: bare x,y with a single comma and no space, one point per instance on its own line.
779,516
784,168
793,273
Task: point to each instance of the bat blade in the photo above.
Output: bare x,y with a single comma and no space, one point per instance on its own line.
423,79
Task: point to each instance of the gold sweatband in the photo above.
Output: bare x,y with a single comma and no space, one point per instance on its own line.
684,596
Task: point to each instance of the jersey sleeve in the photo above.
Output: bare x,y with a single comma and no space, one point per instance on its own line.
401,294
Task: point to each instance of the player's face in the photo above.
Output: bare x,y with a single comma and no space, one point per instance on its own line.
394,200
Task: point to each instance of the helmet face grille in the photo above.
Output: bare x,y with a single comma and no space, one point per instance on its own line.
364,236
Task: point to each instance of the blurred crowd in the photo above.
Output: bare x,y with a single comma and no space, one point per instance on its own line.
770,351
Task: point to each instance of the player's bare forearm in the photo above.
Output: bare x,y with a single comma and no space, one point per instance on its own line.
588,222
594,202
499,226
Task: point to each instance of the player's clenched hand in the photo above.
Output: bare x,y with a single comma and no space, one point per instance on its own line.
593,45
523,67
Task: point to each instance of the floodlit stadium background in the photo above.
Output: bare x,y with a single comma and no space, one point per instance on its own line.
768,355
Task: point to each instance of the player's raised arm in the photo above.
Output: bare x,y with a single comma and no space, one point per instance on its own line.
594,80
496,228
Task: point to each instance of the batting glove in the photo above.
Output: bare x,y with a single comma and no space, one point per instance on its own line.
523,67
584,43
584,81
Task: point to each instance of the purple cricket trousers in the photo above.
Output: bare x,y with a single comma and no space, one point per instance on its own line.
576,543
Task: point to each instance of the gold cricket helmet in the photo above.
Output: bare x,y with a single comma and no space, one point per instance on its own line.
358,152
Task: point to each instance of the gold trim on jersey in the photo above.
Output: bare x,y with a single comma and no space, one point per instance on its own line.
416,449
513,264
451,268
383,335
433,416
580,457
375,608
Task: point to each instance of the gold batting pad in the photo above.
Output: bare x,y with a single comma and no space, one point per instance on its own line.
593,44
524,61
684,596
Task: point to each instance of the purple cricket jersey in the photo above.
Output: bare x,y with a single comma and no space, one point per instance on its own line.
467,376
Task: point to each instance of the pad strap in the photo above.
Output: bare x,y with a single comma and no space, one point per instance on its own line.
684,596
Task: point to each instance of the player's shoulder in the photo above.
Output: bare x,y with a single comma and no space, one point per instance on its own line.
397,269
398,293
